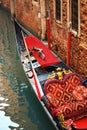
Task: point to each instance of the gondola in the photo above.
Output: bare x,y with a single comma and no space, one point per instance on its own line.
60,90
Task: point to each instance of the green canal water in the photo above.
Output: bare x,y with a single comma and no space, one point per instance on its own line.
19,107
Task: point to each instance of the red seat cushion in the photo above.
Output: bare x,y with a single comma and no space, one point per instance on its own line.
81,123
75,110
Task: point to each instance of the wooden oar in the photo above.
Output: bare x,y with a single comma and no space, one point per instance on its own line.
37,84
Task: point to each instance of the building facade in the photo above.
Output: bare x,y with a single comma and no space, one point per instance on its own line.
70,15
65,16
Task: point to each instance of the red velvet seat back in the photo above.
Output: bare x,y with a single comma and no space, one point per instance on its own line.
59,92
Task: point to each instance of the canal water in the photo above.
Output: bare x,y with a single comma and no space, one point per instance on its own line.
19,107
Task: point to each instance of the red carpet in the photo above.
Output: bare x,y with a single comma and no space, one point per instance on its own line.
50,59
81,123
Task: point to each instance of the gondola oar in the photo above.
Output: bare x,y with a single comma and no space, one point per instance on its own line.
37,84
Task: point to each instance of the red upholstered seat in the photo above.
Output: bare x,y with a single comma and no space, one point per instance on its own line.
60,91
74,110
62,99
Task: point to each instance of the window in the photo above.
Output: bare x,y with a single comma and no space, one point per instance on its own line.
58,10
74,16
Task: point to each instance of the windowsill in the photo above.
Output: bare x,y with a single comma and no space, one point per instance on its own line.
35,3
75,33
59,21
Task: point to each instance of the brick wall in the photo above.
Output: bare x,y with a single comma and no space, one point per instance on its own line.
27,12
59,38
79,49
